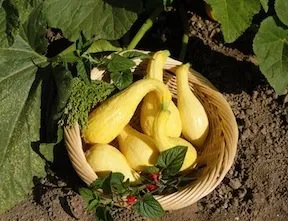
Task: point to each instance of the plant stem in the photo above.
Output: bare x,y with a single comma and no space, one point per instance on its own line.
185,37
185,40
144,28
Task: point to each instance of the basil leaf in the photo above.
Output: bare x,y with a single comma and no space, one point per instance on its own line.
149,207
116,178
87,194
103,45
172,159
114,182
82,72
122,79
98,183
134,54
119,63
103,214
92,204
151,169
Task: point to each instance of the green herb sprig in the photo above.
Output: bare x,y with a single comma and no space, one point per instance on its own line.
163,178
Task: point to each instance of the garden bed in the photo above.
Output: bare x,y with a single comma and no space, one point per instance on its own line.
256,186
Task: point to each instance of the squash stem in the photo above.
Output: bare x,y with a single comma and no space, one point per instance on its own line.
144,28
153,70
182,76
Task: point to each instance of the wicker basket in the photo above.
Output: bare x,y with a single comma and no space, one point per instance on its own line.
218,153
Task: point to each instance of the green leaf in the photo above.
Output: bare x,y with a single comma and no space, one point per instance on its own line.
122,79
93,204
3,35
172,159
103,214
149,207
116,182
235,16
134,54
105,19
17,12
119,63
271,48
69,54
116,178
87,194
47,149
82,73
151,169
265,5
167,2
103,45
98,183
12,20
81,43
281,8
64,81
35,29
113,181
20,121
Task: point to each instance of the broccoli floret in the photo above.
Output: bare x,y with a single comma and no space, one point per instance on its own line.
82,99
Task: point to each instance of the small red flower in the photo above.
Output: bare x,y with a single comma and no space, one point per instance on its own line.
150,187
155,177
131,199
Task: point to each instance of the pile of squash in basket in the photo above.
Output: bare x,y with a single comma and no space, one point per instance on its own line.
164,124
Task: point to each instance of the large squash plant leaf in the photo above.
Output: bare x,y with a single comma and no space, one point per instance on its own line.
104,19
265,5
35,28
3,35
281,8
271,48
13,13
20,99
235,16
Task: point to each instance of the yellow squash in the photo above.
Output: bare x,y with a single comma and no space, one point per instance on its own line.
138,148
151,104
107,121
163,142
195,124
104,158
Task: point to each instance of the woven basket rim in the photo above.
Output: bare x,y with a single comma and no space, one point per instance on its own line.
190,194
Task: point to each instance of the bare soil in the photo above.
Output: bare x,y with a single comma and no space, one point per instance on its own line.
255,189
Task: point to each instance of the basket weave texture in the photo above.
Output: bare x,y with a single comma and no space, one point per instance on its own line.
217,154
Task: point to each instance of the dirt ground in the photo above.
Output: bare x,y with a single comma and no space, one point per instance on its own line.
255,189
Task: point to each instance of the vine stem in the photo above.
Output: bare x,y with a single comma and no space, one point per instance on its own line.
185,37
144,28
185,40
